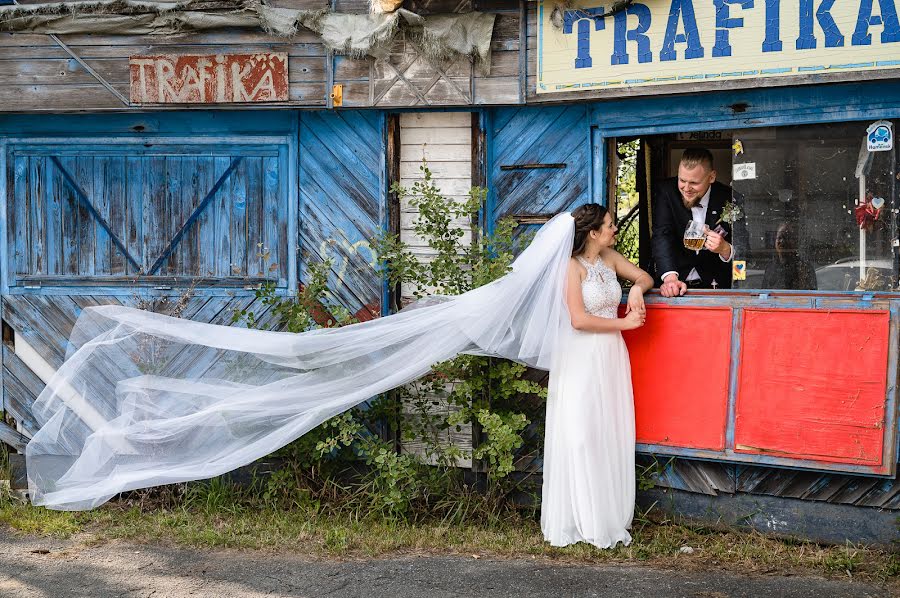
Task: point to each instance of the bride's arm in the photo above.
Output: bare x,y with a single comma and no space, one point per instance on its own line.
628,271
581,320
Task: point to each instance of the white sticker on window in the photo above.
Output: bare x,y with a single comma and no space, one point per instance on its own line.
744,172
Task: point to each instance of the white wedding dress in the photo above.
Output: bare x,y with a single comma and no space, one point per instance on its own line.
589,480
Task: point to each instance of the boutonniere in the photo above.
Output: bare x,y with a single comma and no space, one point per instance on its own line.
730,213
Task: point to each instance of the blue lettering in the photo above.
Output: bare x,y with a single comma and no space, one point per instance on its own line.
724,22
888,18
583,18
807,40
681,10
773,26
621,34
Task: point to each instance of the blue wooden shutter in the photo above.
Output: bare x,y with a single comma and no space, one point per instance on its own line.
122,213
342,202
539,160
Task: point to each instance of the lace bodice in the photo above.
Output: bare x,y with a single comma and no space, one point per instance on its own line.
600,289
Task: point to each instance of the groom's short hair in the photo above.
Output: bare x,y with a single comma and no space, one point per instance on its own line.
693,156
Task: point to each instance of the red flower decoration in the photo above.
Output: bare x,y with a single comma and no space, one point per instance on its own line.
867,214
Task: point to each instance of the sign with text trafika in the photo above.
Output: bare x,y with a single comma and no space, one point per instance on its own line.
659,42
209,79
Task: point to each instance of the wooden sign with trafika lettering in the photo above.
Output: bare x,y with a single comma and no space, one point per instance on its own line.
209,79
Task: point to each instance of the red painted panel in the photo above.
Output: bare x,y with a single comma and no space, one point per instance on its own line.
812,384
679,366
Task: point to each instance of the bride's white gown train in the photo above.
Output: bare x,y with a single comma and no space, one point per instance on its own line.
589,480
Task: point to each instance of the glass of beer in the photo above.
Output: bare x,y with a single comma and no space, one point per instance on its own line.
694,236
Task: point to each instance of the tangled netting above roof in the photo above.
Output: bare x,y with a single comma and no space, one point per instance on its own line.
439,37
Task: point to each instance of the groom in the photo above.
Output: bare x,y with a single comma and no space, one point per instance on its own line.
693,195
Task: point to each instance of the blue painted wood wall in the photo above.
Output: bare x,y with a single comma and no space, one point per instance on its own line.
134,209
539,160
342,202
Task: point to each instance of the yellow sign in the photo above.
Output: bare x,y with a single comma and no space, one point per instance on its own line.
659,42
739,270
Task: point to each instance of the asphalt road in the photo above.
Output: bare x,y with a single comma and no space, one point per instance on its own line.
37,567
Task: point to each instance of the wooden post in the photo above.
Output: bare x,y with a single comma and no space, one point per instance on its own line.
392,158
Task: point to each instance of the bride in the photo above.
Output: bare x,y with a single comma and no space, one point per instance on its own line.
589,485
145,399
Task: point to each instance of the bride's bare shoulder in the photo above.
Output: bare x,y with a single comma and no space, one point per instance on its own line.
576,266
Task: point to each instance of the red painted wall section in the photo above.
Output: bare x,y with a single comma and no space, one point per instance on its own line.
679,363
812,384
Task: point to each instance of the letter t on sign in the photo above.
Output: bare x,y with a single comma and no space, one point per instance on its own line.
584,18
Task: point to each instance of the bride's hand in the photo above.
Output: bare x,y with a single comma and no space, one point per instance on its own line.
633,319
635,300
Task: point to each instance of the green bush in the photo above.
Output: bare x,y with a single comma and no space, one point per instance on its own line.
466,390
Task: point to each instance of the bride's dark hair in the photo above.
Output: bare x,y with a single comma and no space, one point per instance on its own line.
587,218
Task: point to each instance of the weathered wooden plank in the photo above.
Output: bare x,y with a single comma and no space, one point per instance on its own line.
154,210
274,235
239,243
504,63
12,438
356,93
37,217
255,233
134,209
69,220
434,152
187,42
20,389
116,193
447,170
424,135
346,68
358,7
307,93
206,223
19,243
171,215
506,33
193,192
61,71
59,97
494,91
221,205
53,225
87,237
100,198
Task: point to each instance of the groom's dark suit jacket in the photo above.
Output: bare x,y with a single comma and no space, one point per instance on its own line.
670,217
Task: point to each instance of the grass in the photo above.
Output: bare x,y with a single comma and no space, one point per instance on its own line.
210,518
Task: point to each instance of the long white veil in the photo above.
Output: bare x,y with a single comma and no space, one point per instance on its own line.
145,399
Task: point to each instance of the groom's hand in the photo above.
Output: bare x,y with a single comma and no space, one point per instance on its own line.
672,287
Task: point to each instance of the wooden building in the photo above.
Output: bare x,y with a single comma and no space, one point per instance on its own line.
778,404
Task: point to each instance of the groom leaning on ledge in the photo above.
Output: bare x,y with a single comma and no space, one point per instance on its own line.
693,195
